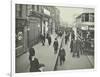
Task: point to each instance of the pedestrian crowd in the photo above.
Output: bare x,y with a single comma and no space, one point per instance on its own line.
75,46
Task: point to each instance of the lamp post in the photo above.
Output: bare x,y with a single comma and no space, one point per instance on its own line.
28,29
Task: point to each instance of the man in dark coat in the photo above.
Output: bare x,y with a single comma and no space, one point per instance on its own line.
55,45
71,46
72,39
62,55
49,40
72,35
66,38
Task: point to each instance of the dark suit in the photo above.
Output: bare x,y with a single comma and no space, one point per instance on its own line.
55,45
49,40
62,55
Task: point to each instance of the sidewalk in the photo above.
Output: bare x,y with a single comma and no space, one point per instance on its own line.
19,50
45,55
91,59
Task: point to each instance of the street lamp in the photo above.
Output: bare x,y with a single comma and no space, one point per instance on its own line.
28,29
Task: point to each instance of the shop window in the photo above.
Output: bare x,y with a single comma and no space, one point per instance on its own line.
19,36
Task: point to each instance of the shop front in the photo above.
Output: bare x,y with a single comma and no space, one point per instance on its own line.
20,24
34,30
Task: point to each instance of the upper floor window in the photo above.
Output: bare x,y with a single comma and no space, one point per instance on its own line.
33,7
18,10
91,17
83,17
87,17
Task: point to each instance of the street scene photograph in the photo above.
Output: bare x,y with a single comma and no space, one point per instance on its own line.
54,38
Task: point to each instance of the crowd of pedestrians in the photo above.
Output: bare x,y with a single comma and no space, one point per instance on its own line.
76,45
75,49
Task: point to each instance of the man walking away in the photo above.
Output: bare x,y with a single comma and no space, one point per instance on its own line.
49,40
66,38
55,45
71,45
72,39
62,55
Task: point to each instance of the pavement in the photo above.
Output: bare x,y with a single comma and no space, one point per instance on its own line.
20,50
91,59
45,55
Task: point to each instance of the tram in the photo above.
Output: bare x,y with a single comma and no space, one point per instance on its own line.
85,31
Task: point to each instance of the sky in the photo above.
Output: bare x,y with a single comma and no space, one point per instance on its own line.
67,14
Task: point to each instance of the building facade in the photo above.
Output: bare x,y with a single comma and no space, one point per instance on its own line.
31,22
85,22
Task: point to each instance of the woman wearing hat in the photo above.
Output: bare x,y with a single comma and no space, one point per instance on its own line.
34,63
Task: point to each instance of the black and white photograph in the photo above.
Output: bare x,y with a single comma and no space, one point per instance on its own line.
53,38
